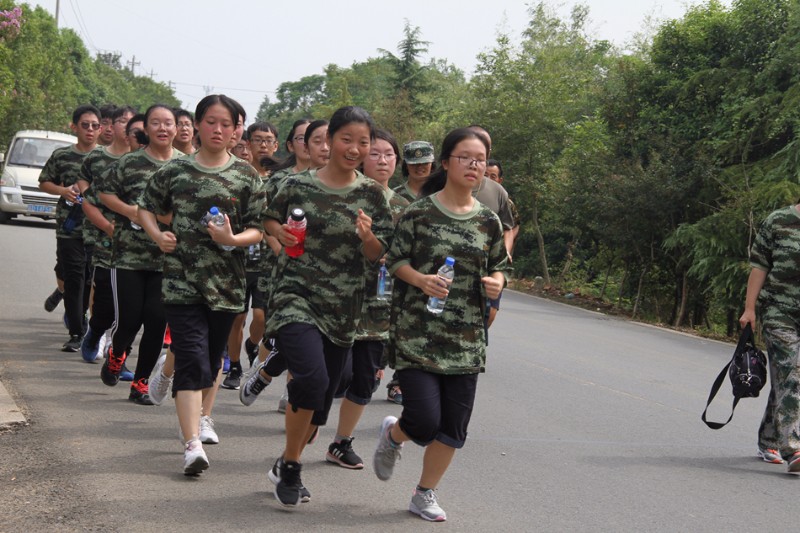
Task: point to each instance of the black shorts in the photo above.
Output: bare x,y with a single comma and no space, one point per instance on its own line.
316,364
199,336
436,406
365,363
495,303
252,292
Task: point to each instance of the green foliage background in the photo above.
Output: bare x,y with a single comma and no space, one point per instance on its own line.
641,174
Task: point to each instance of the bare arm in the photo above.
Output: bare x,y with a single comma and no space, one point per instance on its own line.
68,193
754,285
113,202
430,284
166,240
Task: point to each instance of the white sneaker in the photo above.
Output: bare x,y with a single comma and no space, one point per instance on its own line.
194,458
101,346
207,433
158,383
284,401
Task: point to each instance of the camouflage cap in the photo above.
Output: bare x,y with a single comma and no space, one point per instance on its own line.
417,152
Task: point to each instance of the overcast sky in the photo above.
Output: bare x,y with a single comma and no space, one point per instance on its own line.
245,49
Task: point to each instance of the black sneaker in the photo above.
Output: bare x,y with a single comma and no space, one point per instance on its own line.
73,344
53,300
140,392
343,455
274,476
287,491
251,350
112,365
234,378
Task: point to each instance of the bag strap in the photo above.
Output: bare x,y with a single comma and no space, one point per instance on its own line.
745,337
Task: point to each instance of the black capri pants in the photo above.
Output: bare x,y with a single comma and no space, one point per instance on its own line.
316,364
436,406
359,381
199,336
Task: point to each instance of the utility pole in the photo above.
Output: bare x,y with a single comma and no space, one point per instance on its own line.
58,3
208,88
171,85
152,74
132,64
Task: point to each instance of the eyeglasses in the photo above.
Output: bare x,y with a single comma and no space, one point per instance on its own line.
90,125
122,121
466,161
158,124
185,125
267,141
377,157
299,139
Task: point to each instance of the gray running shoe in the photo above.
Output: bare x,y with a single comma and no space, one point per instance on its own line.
252,388
770,456
386,455
234,378
425,504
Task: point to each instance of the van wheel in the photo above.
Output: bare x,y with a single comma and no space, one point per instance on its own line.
5,217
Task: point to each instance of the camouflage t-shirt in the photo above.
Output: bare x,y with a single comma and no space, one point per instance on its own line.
452,342
374,322
275,180
92,168
199,271
404,191
325,285
257,255
127,179
776,250
64,169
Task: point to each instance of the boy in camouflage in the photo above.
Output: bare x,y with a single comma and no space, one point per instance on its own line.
317,296
203,284
101,233
438,357
773,288
60,176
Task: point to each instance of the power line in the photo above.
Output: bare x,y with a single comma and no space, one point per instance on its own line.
261,91
79,20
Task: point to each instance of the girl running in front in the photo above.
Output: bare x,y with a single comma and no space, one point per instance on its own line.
317,296
203,287
373,327
136,259
438,358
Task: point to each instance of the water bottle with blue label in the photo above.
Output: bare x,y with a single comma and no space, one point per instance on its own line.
446,273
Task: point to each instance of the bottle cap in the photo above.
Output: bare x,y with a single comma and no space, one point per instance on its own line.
298,214
214,210
450,261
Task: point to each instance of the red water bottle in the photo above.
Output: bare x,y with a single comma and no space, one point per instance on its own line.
297,227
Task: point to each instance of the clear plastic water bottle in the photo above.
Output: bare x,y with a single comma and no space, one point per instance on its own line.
297,227
78,201
385,284
446,272
135,226
218,219
254,252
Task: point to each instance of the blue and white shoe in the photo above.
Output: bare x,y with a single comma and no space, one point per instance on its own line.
90,346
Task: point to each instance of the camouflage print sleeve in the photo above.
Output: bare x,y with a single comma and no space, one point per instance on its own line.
402,241
156,197
252,216
50,171
761,251
497,256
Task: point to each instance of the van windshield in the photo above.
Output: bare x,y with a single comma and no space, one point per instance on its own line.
32,152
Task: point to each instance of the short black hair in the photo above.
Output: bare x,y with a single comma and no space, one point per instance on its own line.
85,108
495,163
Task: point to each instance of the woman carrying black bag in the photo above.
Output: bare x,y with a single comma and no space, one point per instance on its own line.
774,284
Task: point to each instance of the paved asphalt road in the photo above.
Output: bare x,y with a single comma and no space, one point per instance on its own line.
582,422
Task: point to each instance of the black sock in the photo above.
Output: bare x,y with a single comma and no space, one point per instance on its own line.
420,488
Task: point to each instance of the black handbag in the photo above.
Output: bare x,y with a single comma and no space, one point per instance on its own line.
748,373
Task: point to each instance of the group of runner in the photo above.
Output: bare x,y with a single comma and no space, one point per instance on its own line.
187,225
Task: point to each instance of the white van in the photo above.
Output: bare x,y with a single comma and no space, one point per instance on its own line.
19,182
